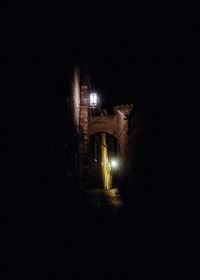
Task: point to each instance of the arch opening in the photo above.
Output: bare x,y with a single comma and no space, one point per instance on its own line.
103,152
107,128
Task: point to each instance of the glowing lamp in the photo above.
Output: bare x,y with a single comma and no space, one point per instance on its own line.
93,99
114,163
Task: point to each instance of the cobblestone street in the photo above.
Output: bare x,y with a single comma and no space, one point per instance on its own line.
100,203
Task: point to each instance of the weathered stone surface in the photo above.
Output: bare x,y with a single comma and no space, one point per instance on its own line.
105,124
83,146
75,99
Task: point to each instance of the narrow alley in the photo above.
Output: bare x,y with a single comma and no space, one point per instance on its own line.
104,204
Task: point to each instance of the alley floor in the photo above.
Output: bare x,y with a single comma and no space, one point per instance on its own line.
100,203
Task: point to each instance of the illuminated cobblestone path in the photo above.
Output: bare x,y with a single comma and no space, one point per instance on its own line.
103,203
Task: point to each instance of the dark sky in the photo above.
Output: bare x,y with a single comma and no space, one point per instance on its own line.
125,47
129,51
127,54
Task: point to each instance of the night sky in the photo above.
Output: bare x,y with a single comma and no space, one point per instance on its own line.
130,53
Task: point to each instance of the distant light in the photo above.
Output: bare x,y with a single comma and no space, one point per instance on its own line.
114,163
93,99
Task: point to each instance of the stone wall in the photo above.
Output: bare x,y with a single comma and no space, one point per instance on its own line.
122,127
106,169
83,138
75,98
122,112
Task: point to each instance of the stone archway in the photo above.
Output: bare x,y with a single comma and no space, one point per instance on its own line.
103,124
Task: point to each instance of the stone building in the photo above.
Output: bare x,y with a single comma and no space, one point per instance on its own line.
89,121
